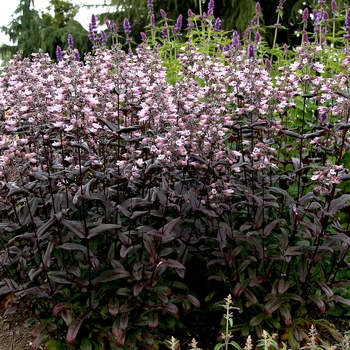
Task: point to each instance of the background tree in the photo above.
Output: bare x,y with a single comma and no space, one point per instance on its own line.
55,29
235,14
23,31
30,31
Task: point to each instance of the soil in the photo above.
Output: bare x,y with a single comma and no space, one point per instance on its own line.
13,334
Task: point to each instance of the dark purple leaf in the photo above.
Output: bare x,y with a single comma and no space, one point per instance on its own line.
273,304
62,306
163,200
343,94
284,309
118,333
292,134
74,246
30,236
193,300
172,309
109,125
101,228
124,320
327,290
39,340
13,309
62,277
34,272
76,227
124,251
172,263
318,301
137,289
341,300
45,227
268,228
125,212
47,255
75,326
339,203
169,227
37,330
129,129
294,297
112,275
113,306
148,337
136,214
126,307
297,164
148,242
250,295
17,190
282,286
83,145
125,239
240,287
28,211
153,320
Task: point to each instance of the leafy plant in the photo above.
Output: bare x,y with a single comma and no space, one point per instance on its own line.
121,172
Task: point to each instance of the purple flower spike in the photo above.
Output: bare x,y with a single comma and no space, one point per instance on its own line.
305,36
211,8
76,55
126,26
347,25
178,24
251,51
59,54
150,3
93,28
257,37
334,6
257,7
305,15
217,24
163,13
103,38
143,36
347,19
236,41
190,13
93,21
268,64
164,34
91,33
152,21
70,42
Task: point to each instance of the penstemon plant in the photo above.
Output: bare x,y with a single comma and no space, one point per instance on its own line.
120,172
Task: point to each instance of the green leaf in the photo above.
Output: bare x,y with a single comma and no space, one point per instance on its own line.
85,344
55,345
256,320
236,345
